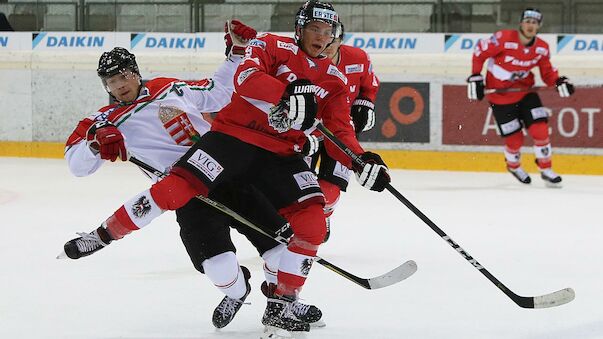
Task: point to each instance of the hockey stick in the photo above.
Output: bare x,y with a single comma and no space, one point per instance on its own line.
532,89
548,300
392,277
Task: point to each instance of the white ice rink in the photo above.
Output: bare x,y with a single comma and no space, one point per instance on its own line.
534,239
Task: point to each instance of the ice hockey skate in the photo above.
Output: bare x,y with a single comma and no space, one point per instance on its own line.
280,321
304,312
551,179
85,244
520,175
228,307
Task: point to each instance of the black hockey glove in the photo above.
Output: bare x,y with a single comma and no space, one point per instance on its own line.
475,87
564,87
363,114
312,145
297,108
374,174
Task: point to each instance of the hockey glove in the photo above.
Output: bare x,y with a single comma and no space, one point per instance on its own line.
363,115
374,174
312,145
475,87
564,87
236,38
297,108
105,139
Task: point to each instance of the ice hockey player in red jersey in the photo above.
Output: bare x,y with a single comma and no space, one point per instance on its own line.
158,122
511,54
363,84
281,88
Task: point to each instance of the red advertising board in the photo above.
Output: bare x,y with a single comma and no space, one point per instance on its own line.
574,122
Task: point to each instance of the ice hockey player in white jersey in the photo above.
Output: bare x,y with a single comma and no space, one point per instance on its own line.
158,122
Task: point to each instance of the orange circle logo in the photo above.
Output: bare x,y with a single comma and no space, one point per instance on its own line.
394,101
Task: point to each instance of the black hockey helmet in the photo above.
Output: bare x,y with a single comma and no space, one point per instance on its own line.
340,31
531,13
115,61
316,11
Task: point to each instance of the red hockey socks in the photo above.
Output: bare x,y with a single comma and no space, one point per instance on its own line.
309,227
542,144
332,193
513,145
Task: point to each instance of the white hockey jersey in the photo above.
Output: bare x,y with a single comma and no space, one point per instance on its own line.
161,125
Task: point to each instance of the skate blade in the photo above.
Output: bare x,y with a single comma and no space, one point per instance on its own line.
62,255
318,324
271,332
553,185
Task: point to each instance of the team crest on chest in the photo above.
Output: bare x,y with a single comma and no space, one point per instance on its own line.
178,125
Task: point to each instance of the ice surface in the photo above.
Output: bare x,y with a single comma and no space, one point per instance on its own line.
534,239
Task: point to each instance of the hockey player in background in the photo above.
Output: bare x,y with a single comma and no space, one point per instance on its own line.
363,84
281,88
511,55
158,122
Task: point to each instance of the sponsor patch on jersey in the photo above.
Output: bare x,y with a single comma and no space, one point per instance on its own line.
352,88
542,51
354,68
206,164
511,45
334,71
257,43
539,113
510,127
306,179
341,171
245,74
288,46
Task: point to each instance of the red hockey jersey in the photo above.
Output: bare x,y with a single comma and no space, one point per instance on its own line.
357,67
510,64
270,64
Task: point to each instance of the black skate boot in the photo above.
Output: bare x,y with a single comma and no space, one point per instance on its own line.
520,175
551,179
304,312
279,315
228,307
86,244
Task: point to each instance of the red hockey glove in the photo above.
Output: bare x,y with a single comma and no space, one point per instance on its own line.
374,174
104,138
237,36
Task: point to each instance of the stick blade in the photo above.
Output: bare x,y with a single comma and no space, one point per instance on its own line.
394,276
558,298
